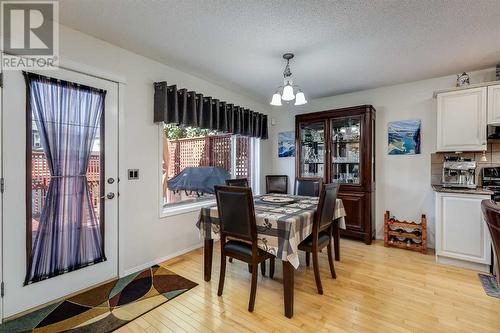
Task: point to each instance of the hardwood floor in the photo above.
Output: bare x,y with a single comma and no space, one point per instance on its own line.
377,289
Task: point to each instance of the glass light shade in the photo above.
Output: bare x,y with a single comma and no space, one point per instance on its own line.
300,99
288,93
276,100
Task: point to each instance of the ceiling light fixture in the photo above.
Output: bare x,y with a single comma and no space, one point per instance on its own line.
288,91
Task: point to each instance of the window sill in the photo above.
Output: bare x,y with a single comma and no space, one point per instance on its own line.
185,208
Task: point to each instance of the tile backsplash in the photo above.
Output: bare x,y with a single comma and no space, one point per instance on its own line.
492,159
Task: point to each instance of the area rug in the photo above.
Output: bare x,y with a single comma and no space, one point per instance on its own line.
107,307
490,285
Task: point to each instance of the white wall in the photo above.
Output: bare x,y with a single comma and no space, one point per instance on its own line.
402,182
145,238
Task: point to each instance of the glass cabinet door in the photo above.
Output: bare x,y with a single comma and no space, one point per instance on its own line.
312,149
346,150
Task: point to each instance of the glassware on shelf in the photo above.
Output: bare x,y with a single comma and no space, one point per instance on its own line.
345,149
312,149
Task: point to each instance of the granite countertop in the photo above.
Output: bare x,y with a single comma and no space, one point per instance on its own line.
478,190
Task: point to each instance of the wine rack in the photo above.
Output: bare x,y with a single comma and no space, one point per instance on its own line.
405,234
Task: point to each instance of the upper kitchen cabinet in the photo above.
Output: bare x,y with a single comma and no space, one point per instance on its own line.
461,120
494,105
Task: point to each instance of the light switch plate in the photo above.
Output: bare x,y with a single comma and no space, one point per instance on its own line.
133,174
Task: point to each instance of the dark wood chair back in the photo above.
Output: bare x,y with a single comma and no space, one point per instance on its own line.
236,212
326,207
309,187
240,182
491,212
277,184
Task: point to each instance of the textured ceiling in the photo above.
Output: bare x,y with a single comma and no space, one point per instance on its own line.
340,46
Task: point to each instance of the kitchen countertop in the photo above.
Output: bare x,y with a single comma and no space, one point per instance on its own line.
478,190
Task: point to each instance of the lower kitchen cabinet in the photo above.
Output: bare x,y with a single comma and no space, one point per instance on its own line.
462,237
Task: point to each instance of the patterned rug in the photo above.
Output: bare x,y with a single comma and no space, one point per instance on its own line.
490,285
107,307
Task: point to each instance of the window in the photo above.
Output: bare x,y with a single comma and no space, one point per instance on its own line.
192,157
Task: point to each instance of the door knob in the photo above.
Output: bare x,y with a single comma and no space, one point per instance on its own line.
110,196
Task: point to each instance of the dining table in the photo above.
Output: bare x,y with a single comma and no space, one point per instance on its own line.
281,227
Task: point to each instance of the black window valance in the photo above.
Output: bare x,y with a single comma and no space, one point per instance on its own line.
188,108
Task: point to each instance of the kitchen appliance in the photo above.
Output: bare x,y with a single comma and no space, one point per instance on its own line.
493,132
490,178
458,172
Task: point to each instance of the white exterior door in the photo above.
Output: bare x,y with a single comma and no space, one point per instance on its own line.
15,155
461,120
494,105
461,232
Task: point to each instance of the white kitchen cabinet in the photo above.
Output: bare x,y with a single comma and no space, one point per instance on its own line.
462,237
494,105
461,120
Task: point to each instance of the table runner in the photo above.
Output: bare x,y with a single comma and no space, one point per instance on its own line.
280,227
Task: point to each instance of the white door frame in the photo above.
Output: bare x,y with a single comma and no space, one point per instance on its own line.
99,73
1,184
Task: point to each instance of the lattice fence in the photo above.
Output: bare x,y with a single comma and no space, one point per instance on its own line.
243,157
40,179
214,150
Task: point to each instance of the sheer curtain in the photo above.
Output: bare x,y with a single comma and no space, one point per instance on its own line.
69,235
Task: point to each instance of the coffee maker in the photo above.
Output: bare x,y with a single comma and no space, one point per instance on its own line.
459,172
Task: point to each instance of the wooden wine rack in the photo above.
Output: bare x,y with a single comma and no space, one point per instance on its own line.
388,233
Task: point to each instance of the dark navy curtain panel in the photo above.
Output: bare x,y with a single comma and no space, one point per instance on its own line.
69,235
187,108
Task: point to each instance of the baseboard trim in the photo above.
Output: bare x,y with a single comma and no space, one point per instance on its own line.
159,260
463,264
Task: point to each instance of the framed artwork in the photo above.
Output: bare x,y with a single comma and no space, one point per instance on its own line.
404,137
286,144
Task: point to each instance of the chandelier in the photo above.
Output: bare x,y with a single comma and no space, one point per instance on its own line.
288,91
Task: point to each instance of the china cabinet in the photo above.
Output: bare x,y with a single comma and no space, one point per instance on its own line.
338,146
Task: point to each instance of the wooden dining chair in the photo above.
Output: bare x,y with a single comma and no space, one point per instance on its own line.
241,182
237,221
322,232
310,187
277,184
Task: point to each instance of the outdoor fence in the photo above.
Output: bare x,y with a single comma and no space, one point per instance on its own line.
213,150
40,179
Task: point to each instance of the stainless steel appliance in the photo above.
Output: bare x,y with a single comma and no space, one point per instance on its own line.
459,172
490,177
493,132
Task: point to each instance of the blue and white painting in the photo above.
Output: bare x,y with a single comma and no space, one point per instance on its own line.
286,144
404,137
